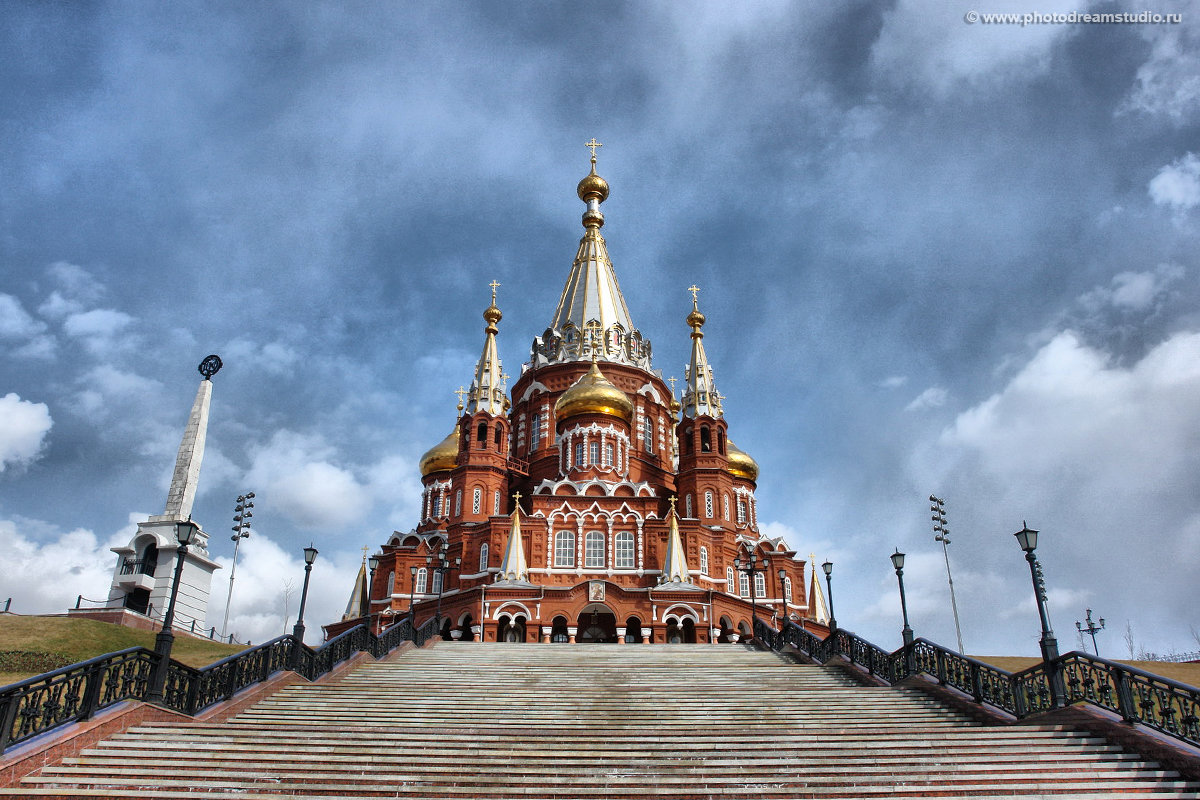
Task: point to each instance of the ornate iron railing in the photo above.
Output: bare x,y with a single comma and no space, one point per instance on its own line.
77,692
1140,697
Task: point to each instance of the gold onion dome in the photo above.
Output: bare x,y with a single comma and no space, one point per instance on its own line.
492,315
593,394
593,184
740,464
442,457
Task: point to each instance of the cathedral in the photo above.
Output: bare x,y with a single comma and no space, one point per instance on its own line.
588,504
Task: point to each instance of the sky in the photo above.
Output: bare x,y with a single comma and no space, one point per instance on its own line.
936,257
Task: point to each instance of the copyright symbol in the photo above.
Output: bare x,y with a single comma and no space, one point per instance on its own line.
971,17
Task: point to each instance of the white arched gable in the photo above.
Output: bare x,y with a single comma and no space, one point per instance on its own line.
648,390
537,387
681,611
508,608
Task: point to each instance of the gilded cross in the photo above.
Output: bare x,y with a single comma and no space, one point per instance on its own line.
672,381
695,290
365,551
593,144
671,500
494,284
504,377
460,392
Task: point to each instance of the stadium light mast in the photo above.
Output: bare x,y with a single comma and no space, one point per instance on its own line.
941,533
241,530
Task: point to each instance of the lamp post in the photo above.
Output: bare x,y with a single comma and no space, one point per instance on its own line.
783,598
412,592
751,567
1091,629
310,555
828,568
241,530
941,533
185,533
898,563
1027,538
373,564
441,569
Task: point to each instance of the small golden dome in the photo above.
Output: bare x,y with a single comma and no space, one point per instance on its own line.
740,464
593,184
593,394
492,315
442,457
695,319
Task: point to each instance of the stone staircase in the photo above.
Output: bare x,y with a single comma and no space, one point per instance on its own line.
599,721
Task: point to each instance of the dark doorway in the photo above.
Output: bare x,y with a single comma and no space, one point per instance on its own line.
138,600
633,631
558,631
597,625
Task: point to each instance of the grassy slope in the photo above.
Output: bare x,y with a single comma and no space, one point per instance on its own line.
81,639
1184,673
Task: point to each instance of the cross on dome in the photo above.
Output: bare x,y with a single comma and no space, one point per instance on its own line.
593,144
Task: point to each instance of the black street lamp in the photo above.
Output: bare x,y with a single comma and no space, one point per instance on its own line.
185,533
310,555
750,568
373,563
441,569
898,563
412,591
783,598
1092,629
828,568
1027,539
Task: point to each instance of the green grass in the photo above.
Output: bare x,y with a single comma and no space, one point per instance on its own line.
81,639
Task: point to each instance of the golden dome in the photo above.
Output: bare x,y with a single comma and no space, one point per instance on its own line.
740,464
593,184
593,394
442,457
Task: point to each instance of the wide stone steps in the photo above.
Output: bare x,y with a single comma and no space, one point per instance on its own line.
601,721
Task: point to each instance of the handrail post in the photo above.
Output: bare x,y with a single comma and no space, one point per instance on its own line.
91,692
941,665
1125,704
8,718
976,683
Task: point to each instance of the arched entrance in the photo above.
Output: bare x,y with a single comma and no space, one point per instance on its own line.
597,624
681,631
633,631
510,629
558,630
464,628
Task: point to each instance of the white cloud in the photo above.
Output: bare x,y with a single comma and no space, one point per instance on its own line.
931,43
1177,185
1134,291
296,477
893,382
274,357
23,429
76,282
58,307
78,562
97,323
15,321
933,397
1168,83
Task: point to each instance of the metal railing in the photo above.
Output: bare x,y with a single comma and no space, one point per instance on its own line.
1139,697
75,693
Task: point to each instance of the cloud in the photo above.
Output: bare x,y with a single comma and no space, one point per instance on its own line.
15,321
933,397
79,562
893,382
1133,291
98,323
274,357
23,429
1168,83
1177,185
930,44
294,475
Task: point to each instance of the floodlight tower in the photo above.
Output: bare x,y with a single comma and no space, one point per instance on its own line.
941,533
241,530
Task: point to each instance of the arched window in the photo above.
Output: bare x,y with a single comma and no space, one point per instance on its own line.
743,585
623,550
687,442
482,436
703,560
741,508
391,583
578,455
496,504
496,437
564,549
437,504
648,433
594,453
437,582
422,580
705,440
476,500
787,589
729,582
457,502
608,454
535,431
466,435
721,442
483,557
760,585
725,503
593,549
708,505
687,506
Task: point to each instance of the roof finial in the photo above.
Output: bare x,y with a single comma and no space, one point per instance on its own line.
593,190
593,144
494,284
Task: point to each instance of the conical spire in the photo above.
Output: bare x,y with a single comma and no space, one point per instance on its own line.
513,567
356,606
818,609
182,493
675,568
591,317
487,389
700,395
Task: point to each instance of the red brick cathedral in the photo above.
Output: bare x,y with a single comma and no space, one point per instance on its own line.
588,504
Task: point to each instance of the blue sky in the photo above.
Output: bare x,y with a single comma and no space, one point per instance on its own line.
935,257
